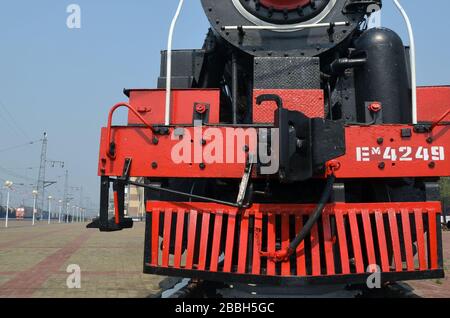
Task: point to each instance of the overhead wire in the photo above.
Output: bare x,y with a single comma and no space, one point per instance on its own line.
30,143
13,122
16,175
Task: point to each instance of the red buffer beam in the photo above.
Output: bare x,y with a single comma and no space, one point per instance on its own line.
387,151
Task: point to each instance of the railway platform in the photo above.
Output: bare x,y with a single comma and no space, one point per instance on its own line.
34,263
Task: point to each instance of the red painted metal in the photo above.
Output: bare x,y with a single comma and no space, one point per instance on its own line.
309,102
440,120
368,234
301,259
131,110
362,160
257,244
421,250
315,253
216,240
433,252
432,102
395,240
356,242
285,241
365,156
179,238
345,263
243,244
136,143
401,157
116,208
191,239
271,242
346,216
408,239
151,104
155,237
382,245
229,248
204,241
328,242
167,237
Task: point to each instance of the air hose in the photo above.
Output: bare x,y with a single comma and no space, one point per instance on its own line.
306,230
284,255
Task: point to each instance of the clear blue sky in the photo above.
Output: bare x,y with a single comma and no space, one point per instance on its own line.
64,81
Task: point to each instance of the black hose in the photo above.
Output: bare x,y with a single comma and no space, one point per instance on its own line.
306,230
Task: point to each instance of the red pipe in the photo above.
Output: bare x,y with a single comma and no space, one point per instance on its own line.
110,118
440,120
116,208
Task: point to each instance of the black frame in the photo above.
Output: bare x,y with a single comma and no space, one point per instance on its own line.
292,280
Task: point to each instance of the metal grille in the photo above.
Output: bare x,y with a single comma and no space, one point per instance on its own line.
287,73
348,239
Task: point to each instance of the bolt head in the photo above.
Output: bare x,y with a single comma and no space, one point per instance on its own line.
200,108
375,107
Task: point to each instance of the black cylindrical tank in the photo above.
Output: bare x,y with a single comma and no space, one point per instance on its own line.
384,77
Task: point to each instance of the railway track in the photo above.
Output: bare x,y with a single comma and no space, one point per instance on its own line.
179,288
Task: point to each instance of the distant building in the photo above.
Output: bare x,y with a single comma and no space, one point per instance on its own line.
2,212
135,202
447,208
12,212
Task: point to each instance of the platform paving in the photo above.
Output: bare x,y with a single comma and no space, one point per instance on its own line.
437,288
34,260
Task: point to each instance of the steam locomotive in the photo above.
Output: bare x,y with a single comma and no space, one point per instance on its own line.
293,148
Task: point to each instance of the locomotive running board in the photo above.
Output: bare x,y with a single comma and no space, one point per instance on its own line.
219,243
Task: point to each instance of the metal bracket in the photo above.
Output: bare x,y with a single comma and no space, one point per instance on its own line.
338,194
432,191
244,187
126,170
305,144
119,222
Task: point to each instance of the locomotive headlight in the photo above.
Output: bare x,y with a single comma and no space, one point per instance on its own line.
284,12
